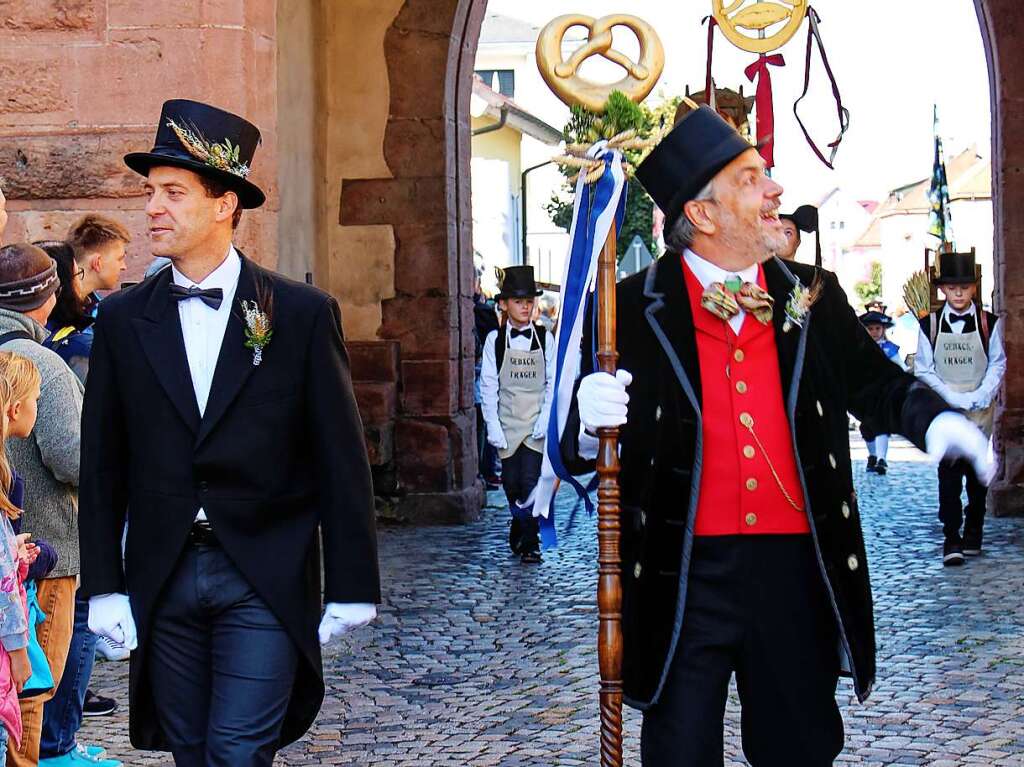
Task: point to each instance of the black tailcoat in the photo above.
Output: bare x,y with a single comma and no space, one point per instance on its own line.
828,367
278,455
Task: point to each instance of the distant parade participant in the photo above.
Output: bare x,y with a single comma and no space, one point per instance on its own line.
515,392
960,354
742,551
803,219
877,322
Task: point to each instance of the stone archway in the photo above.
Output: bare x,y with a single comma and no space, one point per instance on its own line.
430,49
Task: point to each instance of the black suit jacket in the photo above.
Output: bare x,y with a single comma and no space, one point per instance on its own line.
828,367
278,455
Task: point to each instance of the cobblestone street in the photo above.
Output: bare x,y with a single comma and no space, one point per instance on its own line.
478,660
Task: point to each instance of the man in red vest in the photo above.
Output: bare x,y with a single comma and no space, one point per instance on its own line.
742,549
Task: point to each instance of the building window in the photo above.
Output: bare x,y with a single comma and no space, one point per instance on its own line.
502,81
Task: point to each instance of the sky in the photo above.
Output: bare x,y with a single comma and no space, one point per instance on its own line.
892,59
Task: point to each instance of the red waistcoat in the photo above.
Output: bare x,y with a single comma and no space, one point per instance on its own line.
740,383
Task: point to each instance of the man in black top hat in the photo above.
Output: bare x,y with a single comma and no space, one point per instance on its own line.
960,355
219,410
803,219
741,543
515,396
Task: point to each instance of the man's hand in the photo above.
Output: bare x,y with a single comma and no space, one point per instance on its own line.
110,615
498,440
603,399
951,436
339,618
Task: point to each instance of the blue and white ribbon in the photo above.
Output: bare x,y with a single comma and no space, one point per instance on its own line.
596,208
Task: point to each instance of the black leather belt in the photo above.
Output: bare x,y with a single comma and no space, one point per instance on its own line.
202,534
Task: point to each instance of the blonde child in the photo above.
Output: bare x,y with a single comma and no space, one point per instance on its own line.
19,392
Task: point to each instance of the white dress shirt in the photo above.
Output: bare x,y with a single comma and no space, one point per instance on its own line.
203,327
489,379
980,398
707,273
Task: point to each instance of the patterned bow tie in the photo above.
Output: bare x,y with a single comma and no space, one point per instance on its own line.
212,297
516,333
726,304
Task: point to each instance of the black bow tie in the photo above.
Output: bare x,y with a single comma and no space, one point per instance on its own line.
212,297
516,332
959,317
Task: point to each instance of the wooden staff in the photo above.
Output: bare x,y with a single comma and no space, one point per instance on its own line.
563,78
609,580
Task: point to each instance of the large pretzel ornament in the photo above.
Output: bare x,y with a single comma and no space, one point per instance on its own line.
758,17
562,76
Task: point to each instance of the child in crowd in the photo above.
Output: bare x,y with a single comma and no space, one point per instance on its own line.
515,392
19,390
877,322
960,354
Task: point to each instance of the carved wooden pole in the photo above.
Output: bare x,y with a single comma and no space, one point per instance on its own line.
609,580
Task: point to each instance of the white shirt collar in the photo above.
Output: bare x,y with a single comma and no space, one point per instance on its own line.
224,276
707,272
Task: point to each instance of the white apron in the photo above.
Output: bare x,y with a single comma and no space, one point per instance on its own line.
961,362
521,384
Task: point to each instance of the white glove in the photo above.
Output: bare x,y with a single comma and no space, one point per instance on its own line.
952,435
497,439
603,399
110,616
339,618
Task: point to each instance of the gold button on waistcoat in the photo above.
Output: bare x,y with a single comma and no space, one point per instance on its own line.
846,510
748,451
751,484
741,387
746,419
751,519
852,562
738,355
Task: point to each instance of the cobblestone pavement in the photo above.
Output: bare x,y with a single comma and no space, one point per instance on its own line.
477,660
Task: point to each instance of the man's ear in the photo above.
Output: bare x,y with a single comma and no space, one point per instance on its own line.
227,205
94,262
696,211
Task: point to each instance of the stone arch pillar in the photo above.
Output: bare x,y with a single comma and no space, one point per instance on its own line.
430,49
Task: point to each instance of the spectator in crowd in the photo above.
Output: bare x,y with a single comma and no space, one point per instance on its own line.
70,327
48,460
485,318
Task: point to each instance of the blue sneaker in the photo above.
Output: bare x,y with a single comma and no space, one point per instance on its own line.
78,757
93,752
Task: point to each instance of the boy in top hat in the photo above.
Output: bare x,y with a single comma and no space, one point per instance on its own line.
219,409
741,543
876,323
960,355
515,391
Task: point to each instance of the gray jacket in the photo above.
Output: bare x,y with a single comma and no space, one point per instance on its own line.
48,459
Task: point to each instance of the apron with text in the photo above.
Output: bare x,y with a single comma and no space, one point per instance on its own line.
521,384
961,362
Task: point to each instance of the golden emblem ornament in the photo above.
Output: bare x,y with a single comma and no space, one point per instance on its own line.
759,17
563,77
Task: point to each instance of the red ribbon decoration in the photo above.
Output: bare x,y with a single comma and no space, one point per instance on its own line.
763,101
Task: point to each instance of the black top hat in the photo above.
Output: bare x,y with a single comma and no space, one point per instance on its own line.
687,159
876,318
518,282
956,269
805,218
207,140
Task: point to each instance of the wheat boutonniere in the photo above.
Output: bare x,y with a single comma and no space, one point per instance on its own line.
257,330
801,299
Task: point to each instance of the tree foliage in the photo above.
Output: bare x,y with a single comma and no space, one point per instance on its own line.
870,290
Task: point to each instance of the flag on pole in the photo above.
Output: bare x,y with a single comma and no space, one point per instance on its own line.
940,223
596,208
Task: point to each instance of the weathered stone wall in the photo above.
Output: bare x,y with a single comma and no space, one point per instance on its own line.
81,84
1002,24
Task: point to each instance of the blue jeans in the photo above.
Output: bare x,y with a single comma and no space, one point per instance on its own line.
62,714
3,744
221,666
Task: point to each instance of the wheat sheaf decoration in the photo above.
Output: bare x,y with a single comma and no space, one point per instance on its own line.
222,156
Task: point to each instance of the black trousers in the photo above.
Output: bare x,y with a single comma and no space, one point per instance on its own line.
952,477
519,475
756,606
221,666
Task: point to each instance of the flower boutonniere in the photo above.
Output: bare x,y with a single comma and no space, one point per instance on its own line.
801,299
257,330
